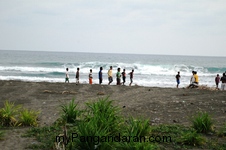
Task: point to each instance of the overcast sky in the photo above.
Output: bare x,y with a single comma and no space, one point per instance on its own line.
174,27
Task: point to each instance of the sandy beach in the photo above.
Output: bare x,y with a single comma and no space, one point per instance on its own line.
160,105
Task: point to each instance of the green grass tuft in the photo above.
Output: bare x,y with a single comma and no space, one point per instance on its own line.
9,114
28,117
202,122
70,112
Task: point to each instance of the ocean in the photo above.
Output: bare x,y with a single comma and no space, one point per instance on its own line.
149,70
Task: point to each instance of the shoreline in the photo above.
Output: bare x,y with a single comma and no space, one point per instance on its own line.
114,84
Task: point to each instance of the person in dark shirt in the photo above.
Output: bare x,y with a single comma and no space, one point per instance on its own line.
77,76
217,80
223,82
131,77
100,75
178,79
124,76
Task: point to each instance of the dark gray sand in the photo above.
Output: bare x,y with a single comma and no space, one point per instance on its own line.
160,105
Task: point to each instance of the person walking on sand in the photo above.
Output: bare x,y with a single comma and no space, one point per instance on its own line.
118,76
90,77
217,80
178,79
67,76
124,76
223,82
110,78
131,77
100,75
77,76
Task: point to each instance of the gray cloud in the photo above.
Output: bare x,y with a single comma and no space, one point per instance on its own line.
140,26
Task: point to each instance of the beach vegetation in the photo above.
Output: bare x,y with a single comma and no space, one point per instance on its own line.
104,115
191,137
70,112
222,131
138,127
9,114
16,115
101,119
101,126
202,122
28,117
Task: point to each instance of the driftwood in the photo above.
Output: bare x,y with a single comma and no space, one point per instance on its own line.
58,92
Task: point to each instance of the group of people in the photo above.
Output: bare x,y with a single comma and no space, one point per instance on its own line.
119,75
194,81
223,81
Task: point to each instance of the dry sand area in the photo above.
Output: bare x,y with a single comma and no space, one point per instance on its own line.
160,105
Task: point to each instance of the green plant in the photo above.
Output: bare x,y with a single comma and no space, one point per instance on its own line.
202,122
28,117
191,137
9,113
105,114
139,127
222,131
70,112
102,120
91,136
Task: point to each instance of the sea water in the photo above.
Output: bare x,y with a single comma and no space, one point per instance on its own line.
149,70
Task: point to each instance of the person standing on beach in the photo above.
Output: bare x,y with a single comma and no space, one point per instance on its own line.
77,76
67,76
110,78
217,80
118,76
178,79
90,77
124,76
223,82
131,77
100,75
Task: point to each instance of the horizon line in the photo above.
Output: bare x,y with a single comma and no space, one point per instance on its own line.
108,53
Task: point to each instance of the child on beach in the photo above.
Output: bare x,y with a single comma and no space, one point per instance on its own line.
118,76
67,76
90,77
77,76
110,78
217,80
124,76
131,77
178,79
100,75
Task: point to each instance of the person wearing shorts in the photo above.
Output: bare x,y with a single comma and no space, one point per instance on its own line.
90,77
110,78
77,76
67,76
118,76
178,79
